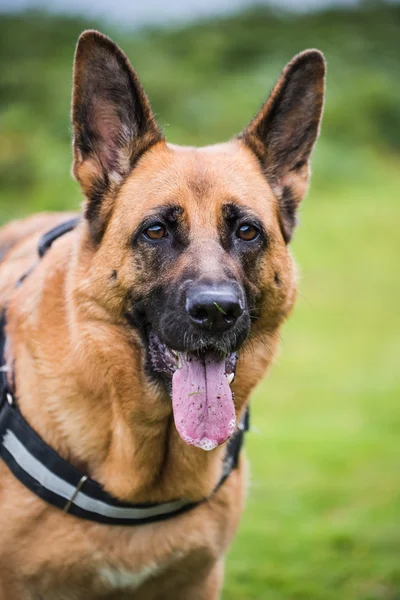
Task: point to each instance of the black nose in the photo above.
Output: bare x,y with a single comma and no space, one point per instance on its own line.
215,308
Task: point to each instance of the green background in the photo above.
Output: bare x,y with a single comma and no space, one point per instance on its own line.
323,512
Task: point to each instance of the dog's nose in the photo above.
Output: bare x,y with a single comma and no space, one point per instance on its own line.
215,308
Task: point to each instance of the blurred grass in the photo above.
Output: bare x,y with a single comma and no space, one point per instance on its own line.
323,514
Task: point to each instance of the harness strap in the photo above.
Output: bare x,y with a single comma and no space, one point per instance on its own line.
3,367
48,238
49,476
54,480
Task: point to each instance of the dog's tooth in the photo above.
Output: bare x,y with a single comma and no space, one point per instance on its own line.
230,378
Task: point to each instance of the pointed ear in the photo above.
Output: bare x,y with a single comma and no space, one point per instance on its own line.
112,122
283,133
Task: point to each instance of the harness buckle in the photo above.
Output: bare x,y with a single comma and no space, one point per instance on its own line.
77,489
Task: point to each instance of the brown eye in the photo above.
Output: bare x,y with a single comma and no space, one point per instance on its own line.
247,232
155,232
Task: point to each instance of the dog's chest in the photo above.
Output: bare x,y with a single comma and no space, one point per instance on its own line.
104,581
114,579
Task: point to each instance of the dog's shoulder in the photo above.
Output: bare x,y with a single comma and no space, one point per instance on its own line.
18,247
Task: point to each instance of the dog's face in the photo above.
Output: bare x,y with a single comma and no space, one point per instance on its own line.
190,245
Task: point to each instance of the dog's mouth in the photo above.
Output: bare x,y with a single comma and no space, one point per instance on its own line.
202,400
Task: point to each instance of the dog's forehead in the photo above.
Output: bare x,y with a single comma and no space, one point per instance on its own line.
194,178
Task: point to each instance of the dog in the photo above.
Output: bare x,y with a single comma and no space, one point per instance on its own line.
131,347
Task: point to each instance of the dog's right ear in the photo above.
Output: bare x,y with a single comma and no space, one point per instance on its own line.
112,121
283,133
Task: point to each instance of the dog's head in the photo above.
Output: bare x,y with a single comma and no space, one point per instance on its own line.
189,246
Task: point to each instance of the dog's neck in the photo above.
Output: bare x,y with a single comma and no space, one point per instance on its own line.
82,385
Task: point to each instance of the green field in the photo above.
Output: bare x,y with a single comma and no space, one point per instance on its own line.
323,512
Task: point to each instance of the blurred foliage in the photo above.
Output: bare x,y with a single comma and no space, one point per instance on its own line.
205,82
322,520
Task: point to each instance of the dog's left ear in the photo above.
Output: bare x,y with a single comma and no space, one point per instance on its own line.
112,121
283,133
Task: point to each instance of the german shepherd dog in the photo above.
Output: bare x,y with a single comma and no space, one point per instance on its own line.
123,340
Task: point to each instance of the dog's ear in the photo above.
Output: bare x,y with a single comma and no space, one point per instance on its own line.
112,121
283,133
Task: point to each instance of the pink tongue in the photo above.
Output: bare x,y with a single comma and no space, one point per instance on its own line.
202,402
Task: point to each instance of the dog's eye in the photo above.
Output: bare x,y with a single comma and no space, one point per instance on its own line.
155,232
247,232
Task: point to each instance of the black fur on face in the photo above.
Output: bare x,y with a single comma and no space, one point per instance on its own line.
173,264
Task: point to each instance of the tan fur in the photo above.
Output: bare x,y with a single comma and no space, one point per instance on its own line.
82,386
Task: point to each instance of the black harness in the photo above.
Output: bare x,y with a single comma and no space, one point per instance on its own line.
46,474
